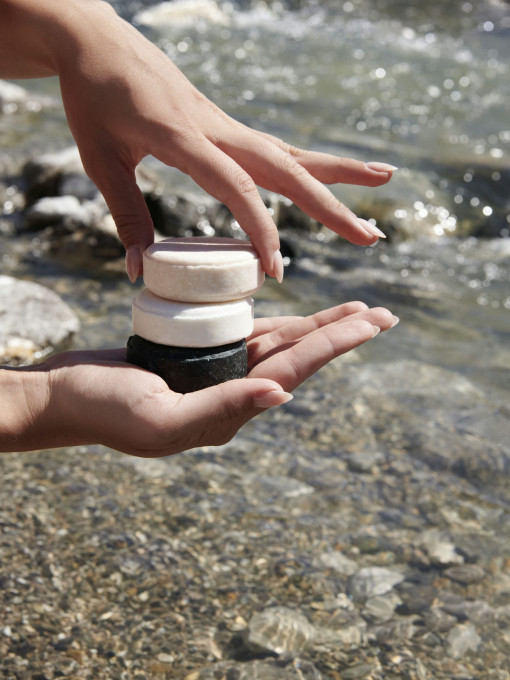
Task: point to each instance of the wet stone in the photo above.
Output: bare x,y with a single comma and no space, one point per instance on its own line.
340,563
381,607
258,670
440,548
416,598
463,639
279,631
278,486
357,672
465,573
371,581
364,462
34,319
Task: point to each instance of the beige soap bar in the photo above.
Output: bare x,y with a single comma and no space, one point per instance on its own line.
181,324
202,269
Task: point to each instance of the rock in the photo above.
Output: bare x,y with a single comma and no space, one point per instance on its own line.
338,562
44,173
258,670
288,216
14,98
417,598
62,172
357,672
187,214
277,486
279,631
52,209
364,461
465,573
381,608
462,639
439,548
34,320
371,581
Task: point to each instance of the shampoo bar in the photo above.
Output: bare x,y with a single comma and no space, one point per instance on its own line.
191,325
202,269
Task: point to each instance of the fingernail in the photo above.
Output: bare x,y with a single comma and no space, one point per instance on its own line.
395,321
381,167
272,398
377,330
371,228
133,260
278,266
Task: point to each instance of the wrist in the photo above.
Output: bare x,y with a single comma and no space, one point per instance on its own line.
24,400
38,39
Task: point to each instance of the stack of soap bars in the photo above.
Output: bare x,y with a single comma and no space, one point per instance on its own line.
191,321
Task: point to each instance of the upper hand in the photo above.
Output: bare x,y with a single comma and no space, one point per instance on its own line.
125,99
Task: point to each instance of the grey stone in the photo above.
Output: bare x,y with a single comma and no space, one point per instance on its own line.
363,462
61,172
339,562
440,548
279,630
465,573
462,639
357,672
277,486
32,319
371,581
53,209
267,669
417,598
381,608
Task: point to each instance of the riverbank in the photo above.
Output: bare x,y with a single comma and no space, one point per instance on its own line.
312,560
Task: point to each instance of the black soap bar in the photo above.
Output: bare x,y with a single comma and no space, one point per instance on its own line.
187,369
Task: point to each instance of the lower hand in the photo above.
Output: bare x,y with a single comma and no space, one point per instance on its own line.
95,397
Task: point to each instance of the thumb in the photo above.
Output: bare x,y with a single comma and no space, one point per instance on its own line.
219,411
129,211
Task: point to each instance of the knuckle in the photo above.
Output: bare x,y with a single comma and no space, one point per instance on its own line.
127,224
291,166
294,151
244,185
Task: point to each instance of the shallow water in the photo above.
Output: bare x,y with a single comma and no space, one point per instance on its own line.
410,432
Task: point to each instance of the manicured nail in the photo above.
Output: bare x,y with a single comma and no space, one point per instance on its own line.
371,228
278,266
381,167
133,261
395,321
272,398
377,330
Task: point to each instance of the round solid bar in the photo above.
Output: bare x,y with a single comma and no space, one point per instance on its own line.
187,369
191,325
202,269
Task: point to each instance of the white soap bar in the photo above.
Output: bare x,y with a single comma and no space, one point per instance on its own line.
202,269
182,324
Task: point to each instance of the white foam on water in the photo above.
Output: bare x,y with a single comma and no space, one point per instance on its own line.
181,13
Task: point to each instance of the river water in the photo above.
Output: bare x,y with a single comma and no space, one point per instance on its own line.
426,87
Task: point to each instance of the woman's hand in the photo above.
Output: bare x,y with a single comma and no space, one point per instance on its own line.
125,99
95,397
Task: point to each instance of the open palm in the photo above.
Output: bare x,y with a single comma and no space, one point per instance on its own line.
96,397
